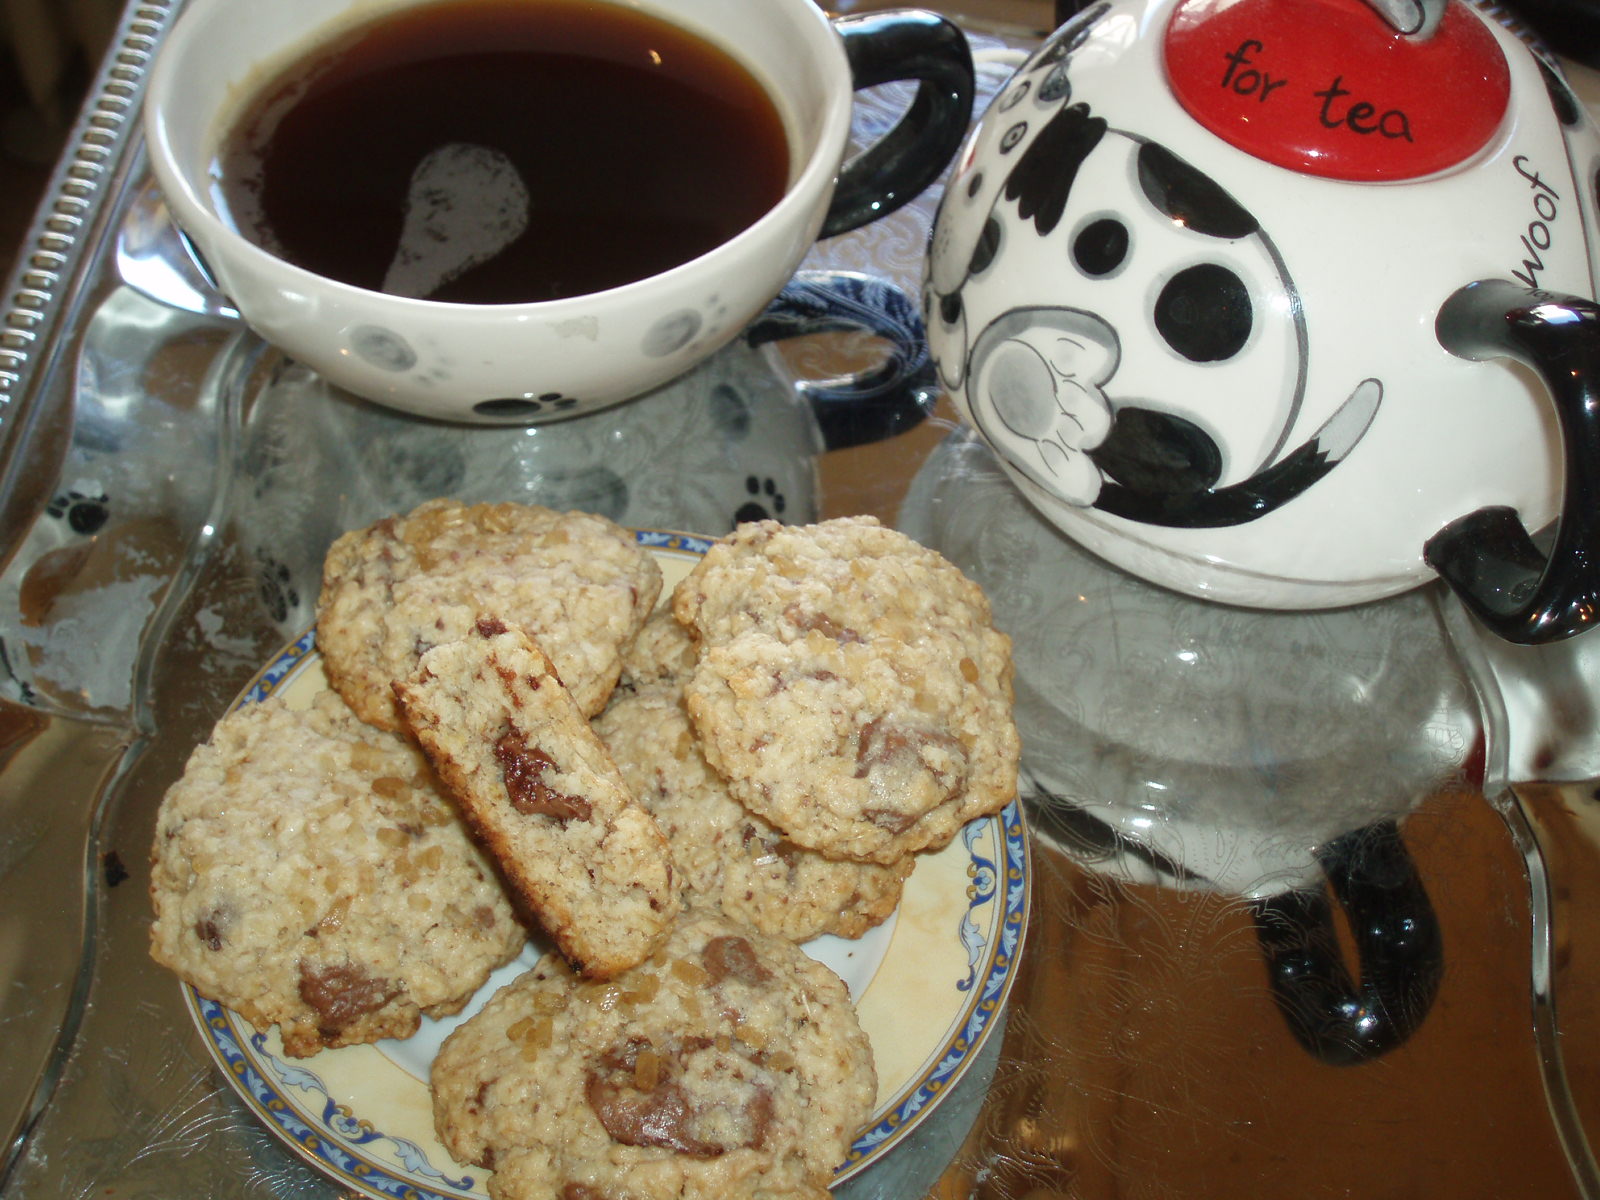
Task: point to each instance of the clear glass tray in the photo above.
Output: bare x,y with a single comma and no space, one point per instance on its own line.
168,485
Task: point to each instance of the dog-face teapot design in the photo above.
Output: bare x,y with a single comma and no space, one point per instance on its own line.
1288,303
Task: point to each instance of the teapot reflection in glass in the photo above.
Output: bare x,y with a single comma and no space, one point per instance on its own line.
1269,756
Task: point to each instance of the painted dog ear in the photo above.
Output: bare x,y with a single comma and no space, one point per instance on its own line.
1043,176
1189,196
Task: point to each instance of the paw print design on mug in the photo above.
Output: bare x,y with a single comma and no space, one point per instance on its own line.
766,501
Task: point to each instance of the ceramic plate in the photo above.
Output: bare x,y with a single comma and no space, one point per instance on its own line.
927,984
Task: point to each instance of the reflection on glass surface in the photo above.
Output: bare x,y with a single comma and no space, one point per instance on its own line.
1229,742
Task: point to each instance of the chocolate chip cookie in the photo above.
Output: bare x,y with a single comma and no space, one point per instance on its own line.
850,686
576,582
309,871
728,1064
725,854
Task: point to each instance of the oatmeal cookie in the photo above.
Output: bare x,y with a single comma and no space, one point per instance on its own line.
850,686
309,871
852,579
543,795
724,853
663,650
577,583
729,1064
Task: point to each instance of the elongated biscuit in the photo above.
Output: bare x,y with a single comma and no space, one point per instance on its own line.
537,786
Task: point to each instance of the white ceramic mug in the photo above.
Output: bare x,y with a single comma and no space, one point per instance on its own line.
526,363
1246,296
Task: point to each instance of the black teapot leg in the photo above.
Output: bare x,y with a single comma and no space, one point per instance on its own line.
1335,1018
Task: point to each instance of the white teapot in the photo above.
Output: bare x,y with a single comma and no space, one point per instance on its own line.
1288,303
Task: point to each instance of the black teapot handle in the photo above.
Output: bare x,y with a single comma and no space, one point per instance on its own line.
1487,557
870,405
1338,1020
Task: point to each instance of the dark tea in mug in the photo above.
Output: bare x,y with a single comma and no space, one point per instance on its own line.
503,151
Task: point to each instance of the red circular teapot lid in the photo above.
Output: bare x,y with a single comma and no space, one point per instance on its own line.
1329,88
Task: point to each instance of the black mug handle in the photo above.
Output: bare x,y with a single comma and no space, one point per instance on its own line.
908,44
1335,1018
852,410
1487,557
